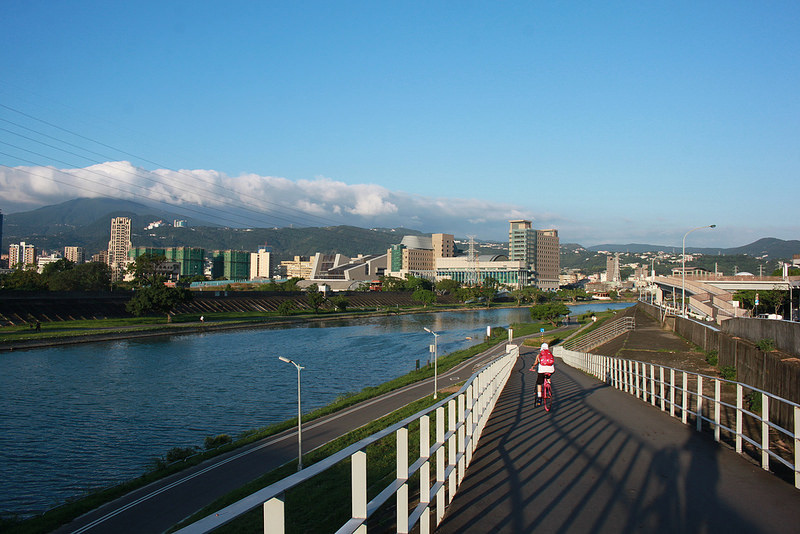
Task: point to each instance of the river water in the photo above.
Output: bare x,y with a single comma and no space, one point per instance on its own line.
77,418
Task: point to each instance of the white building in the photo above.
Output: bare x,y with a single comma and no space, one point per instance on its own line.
261,264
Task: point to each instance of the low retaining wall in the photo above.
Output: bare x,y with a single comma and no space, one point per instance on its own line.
777,372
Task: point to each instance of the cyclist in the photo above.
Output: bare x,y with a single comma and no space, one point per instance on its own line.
546,367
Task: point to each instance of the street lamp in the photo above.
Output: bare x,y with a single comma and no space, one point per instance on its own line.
683,267
435,361
299,414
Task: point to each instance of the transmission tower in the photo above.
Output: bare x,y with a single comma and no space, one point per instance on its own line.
472,263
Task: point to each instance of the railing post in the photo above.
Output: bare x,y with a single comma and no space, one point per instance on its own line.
662,389
358,471
739,416
685,406
797,447
717,397
672,392
425,473
402,476
765,431
653,385
462,438
469,426
440,469
636,378
451,449
699,403
274,515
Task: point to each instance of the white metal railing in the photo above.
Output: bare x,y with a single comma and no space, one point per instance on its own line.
459,421
605,333
698,399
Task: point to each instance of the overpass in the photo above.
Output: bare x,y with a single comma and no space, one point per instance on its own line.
712,296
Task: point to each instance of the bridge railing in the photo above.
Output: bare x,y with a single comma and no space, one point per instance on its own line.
458,422
736,413
605,333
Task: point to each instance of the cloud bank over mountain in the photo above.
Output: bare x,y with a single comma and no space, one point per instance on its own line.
251,200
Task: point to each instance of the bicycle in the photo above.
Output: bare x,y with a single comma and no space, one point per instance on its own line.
547,393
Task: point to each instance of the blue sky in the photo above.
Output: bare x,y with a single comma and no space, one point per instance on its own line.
612,122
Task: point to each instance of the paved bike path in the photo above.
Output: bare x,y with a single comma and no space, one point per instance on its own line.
603,461
162,504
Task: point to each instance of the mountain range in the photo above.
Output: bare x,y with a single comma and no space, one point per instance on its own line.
86,222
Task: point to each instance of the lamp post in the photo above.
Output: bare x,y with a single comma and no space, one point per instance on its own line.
435,361
683,267
299,414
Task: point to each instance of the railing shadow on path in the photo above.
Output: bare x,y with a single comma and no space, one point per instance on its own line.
602,461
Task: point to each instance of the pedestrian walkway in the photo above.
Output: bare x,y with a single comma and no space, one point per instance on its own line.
604,462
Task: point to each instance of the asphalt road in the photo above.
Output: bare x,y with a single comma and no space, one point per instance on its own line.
162,504
604,462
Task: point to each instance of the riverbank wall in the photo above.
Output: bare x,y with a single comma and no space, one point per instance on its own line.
24,307
774,371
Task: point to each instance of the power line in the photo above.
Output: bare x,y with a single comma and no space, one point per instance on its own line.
193,177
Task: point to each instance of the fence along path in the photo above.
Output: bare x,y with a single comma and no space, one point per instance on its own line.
734,412
455,424
603,461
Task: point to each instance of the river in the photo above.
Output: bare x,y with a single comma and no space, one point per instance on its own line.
77,418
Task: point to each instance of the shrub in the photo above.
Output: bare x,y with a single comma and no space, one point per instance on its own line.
753,401
728,372
285,307
212,442
712,357
179,453
766,345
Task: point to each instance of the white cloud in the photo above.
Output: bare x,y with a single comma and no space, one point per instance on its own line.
257,200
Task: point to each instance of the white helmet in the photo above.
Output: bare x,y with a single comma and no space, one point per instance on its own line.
544,346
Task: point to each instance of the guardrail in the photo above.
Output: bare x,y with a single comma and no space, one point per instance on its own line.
736,413
605,333
463,414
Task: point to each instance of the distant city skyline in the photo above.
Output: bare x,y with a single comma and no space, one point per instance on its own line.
610,123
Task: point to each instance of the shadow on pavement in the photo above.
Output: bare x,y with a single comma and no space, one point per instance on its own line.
600,461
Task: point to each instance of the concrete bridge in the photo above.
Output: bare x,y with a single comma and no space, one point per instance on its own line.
711,296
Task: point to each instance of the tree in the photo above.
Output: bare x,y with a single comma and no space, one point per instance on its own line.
25,278
145,269
60,266
285,308
447,285
424,296
488,289
314,297
157,299
549,311
413,283
340,302
93,276
390,283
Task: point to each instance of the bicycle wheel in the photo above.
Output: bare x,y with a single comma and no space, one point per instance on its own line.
548,396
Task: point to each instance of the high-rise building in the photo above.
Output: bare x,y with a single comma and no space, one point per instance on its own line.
230,264
612,268
191,259
539,249
443,245
75,254
299,267
118,246
21,254
522,242
1,228
261,263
